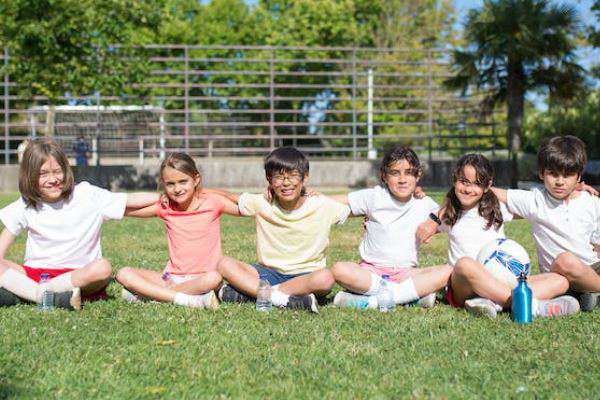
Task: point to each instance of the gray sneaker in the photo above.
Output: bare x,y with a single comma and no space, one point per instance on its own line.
229,294
308,302
589,300
563,305
70,300
352,300
8,298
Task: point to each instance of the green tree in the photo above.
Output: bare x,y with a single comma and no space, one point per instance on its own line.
513,47
59,46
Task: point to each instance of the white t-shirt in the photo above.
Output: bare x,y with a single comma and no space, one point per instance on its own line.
558,225
468,235
65,234
390,240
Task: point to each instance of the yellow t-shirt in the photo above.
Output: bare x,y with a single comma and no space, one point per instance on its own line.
293,242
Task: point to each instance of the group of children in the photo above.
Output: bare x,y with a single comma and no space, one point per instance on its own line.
63,222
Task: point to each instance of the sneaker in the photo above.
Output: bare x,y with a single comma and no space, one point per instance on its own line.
308,302
563,305
210,300
70,300
589,300
346,299
8,298
481,307
427,301
228,294
130,297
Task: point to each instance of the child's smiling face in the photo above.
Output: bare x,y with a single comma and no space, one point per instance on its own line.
467,190
401,179
51,180
287,186
179,187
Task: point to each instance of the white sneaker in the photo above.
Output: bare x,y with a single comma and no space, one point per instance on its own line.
563,305
482,307
427,301
346,299
130,297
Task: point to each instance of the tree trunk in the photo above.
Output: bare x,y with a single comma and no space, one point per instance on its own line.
515,99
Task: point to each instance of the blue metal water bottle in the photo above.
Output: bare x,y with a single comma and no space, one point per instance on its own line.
521,301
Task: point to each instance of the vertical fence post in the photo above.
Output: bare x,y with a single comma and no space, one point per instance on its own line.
371,152
354,153
161,139
98,130
6,108
429,108
186,128
272,101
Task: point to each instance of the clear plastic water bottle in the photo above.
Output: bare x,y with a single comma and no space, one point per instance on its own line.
47,294
385,297
168,280
263,296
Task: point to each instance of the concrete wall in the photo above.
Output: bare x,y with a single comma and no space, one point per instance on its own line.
249,174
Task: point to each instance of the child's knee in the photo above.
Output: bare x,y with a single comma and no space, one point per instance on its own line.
224,265
338,270
465,267
102,270
124,274
323,280
567,264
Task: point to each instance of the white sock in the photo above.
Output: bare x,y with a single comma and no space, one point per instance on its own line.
20,285
62,283
404,292
278,298
188,300
534,306
375,285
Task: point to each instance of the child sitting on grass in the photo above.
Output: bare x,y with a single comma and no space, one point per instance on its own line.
192,218
63,222
389,246
292,235
473,217
565,222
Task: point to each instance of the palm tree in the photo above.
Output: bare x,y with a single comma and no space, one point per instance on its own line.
513,47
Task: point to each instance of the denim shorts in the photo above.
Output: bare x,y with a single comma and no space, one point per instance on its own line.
272,276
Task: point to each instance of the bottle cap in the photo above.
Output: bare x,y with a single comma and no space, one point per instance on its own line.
44,276
523,276
385,277
166,276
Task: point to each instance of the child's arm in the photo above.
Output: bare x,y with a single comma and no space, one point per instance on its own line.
145,212
6,240
141,200
234,197
230,207
427,229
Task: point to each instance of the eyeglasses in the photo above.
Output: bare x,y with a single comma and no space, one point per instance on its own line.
278,179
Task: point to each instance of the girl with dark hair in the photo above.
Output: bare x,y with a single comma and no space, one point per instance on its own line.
473,217
389,249
192,218
63,221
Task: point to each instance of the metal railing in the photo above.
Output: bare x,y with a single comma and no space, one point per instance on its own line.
246,100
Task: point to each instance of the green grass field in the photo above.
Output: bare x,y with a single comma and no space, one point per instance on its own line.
113,349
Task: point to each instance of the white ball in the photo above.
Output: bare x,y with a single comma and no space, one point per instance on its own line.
505,259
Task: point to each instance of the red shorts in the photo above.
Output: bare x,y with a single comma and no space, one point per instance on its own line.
450,297
35,274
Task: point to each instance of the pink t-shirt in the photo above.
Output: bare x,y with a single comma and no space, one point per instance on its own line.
194,237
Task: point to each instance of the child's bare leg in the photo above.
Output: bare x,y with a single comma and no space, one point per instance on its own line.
580,276
548,285
146,283
15,281
470,278
243,277
431,279
91,278
205,283
351,276
318,282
